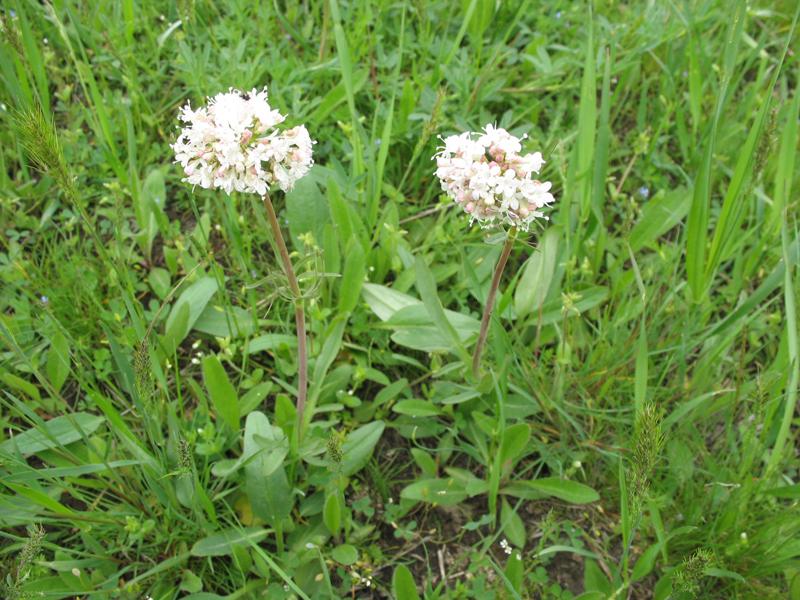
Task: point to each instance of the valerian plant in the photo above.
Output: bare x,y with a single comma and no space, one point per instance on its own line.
235,144
492,181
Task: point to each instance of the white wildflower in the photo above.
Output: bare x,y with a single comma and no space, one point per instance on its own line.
505,546
489,178
234,144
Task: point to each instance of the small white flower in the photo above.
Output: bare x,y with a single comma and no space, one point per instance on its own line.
505,546
491,180
234,144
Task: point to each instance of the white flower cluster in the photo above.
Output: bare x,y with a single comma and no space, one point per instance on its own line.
233,143
491,180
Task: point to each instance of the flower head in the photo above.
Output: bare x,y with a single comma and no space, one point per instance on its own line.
233,143
486,174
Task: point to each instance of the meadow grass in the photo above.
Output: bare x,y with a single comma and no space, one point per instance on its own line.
632,430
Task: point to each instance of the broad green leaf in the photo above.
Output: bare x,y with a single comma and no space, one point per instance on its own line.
221,323
445,492
58,362
222,544
196,297
416,408
424,462
21,385
594,580
177,328
430,298
265,447
271,342
332,511
385,301
644,565
355,267
537,275
660,214
223,394
42,498
160,282
569,491
513,527
414,329
358,446
724,574
345,554
514,572
54,433
515,440
307,207
403,585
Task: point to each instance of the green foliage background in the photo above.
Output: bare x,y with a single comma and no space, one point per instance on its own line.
634,433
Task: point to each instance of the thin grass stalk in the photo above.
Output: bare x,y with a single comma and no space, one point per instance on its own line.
487,310
299,314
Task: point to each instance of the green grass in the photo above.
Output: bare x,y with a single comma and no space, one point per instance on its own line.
634,431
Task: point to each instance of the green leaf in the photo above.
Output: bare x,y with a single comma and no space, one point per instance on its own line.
515,573
177,328
58,362
515,440
445,492
788,492
221,323
355,268
430,298
222,544
358,446
512,524
345,554
414,329
271,342
569,491
660,214
19,384
332,511
644,566
724,574
403,586
594,580
537,275
265,447
697,224
54,433
416,408
223,394
306,207
384,301
160,282
195,297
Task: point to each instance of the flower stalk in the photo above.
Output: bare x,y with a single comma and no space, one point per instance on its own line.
489,307
299,313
